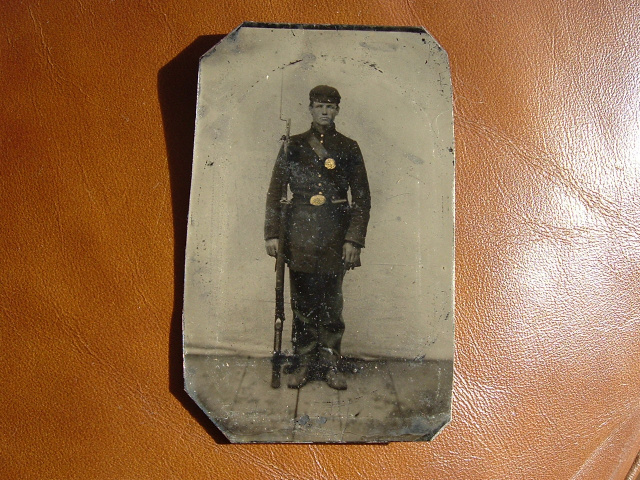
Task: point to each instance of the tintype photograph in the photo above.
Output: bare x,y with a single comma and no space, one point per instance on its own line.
319,275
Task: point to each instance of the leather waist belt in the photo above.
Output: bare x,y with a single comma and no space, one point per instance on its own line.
317,200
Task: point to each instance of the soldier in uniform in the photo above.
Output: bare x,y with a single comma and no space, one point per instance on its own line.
324,233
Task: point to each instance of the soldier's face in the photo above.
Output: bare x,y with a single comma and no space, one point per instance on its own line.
323,113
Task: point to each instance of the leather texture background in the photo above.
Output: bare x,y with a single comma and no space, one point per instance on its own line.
96,124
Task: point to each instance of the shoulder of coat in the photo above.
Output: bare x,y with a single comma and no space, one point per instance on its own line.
300,137
345,140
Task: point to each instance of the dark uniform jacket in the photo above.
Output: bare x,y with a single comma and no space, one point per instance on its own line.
315,234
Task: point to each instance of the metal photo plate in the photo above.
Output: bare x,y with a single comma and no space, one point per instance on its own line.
319,276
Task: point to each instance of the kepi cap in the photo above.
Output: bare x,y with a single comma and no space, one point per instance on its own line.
324,94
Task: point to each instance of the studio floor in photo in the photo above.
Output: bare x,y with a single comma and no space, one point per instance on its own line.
386,400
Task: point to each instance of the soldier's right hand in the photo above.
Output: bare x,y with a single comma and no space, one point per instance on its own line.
272,247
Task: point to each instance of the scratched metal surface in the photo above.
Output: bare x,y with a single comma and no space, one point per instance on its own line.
397,103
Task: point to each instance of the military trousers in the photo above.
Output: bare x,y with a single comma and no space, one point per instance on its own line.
316,301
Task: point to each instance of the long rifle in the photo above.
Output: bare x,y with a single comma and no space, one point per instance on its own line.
278,357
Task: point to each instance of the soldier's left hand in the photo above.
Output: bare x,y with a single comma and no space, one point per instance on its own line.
350,255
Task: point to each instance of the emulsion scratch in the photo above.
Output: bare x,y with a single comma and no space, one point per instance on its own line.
374,66
398,195
413,176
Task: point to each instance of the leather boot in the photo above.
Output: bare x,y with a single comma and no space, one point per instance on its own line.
300,377
335,379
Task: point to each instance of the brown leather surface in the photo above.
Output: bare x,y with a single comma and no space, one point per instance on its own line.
95,124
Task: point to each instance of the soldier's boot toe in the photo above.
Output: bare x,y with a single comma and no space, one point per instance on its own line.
336,379
299,378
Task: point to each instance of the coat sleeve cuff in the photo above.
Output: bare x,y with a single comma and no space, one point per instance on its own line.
354,242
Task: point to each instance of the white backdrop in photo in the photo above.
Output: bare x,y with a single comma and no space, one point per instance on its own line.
396,103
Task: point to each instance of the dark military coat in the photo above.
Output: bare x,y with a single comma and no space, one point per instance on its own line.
315,234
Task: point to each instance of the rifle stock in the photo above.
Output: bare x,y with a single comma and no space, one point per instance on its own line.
278,324
279,316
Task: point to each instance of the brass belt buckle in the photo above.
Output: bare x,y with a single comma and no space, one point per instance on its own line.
317,200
